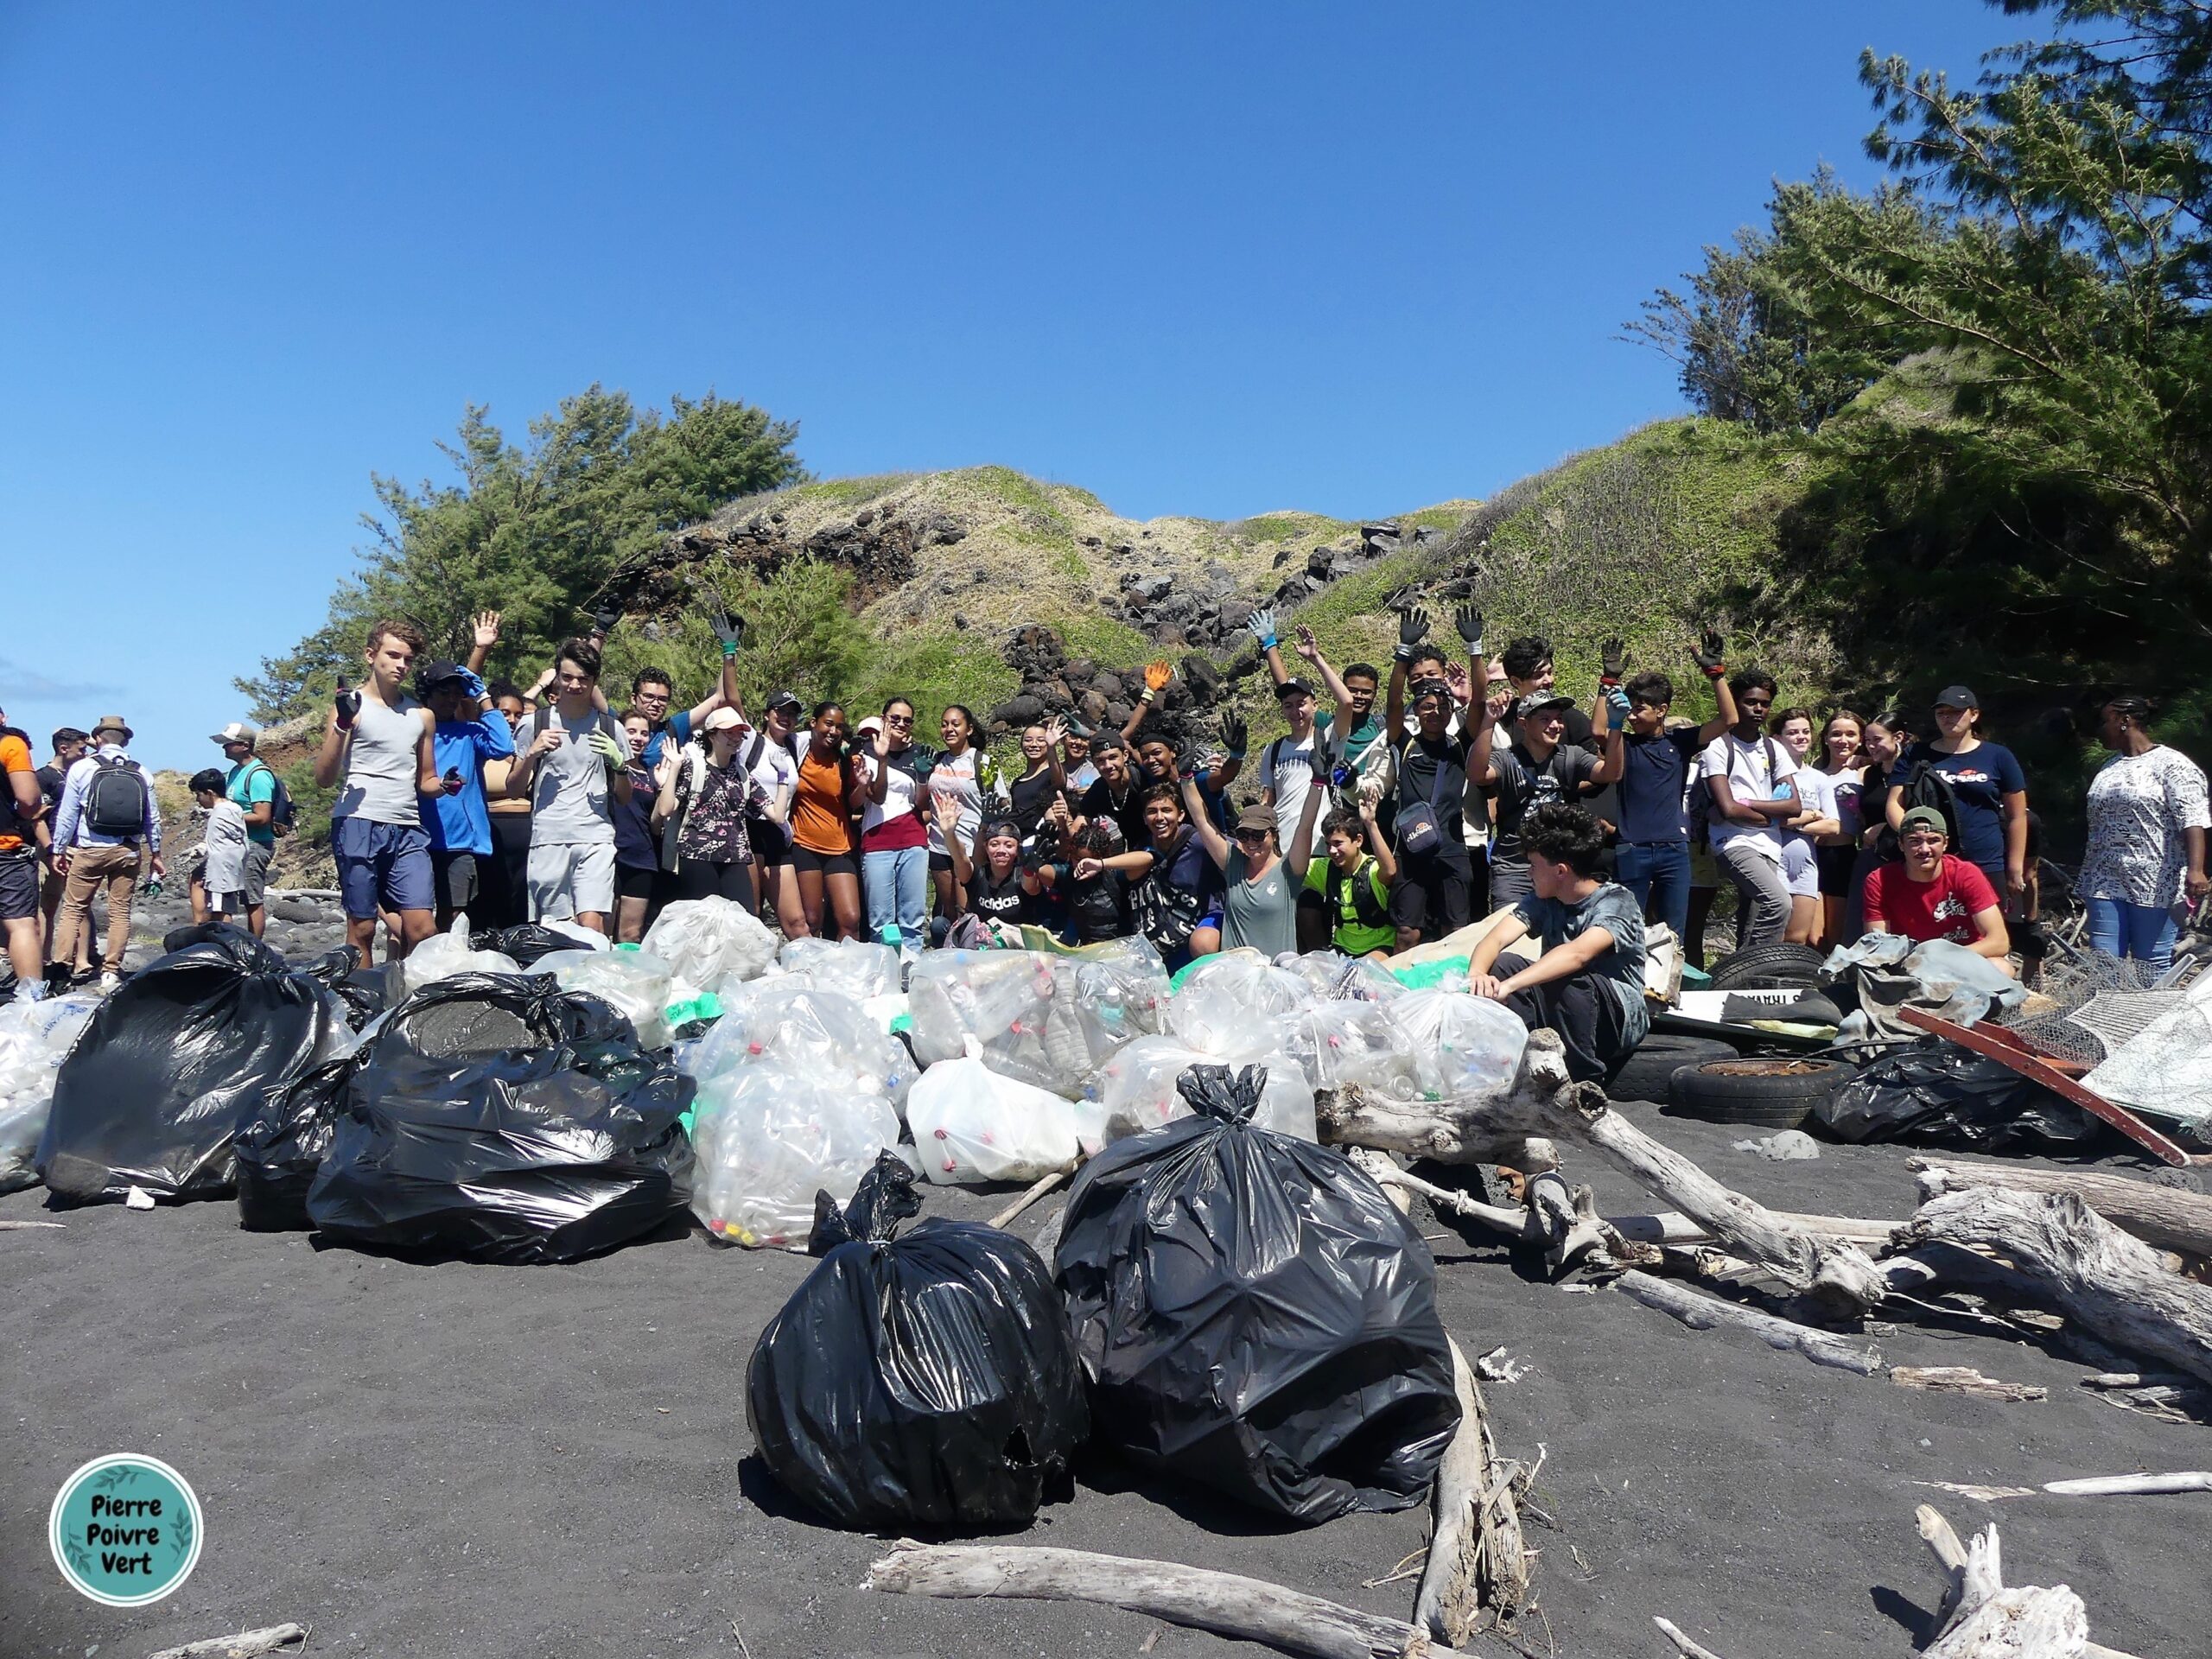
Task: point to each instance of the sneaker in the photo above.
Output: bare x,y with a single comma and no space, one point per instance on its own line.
108,982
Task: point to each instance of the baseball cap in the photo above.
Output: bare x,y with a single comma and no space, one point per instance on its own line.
1256,817
785,699
721,720
1537,701
1956,696
1292,687
1927,815
238,732
432,675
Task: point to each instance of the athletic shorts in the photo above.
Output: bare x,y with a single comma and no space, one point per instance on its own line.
771,843
570,878
18,885
1836,864
1431,896
633,881
384,866
941,861
807,861
456,878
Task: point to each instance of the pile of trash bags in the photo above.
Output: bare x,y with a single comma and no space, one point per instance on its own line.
1938,1094
1042,1019
925,1379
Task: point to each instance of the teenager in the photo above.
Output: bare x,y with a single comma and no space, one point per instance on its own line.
22,812
636,848
1043,780
1929,895
774,754
506,875
1989,793
1117,794
468,731
1358,735
701,812
1300,760
1586,983
70,746
1354,880
1750,779
1843,765
572,771
1803,834
1084,879
379,741
1540,765
1075,757
1174,898
894,836
821,830
968,777
249,782
1434,893
222,847
991,882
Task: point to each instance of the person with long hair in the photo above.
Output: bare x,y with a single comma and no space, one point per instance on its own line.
1044,778
2146,853
706,792
772,756
1801,866
969,777
821,832
992,885
1989,795
637,851
1886,741
894,834
1843,764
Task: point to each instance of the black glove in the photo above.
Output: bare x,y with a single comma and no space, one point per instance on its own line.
1413,628
1613,660
1469,621
729,629
1234,735
604,621
349,705
1708,655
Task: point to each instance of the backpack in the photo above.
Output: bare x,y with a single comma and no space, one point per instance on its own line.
1165,914
281,811
1927,786
1369,911
115,800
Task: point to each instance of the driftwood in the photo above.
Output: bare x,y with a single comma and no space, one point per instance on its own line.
1962,1379
1228,1604
1543,1101
1982,1619
1702,1312
246,1644
2187,1480
29,1226
2167,1216
1683,1645
1044,1185
2111,1284
1476,1562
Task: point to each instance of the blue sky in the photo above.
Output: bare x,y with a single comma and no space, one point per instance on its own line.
1212,260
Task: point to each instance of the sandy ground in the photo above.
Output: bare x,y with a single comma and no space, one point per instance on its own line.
454,1459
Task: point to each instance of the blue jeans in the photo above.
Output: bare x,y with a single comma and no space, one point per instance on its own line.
896,880
2144,931
1658,874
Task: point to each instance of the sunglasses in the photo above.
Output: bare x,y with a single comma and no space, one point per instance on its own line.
1255,836
898,720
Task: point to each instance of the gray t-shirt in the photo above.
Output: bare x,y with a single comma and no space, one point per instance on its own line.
380,774
1262,915
1620,969
569,797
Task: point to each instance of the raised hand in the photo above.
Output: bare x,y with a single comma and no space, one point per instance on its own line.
1308,646
1710,653
1157,674
486,626
1056,732
1413,628
1462,682
1612,657
947,806
1261,627
1468,620
348,702
1500,701
729,629
602,623
1234,734
537,686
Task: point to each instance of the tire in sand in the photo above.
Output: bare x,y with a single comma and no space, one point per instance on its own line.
1768,968
1769,1094
1644,1074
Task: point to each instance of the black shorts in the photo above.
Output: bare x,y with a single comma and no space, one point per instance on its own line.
771,843
453,878
18,885
631,882
1835,865
941,861
1430,897
807,861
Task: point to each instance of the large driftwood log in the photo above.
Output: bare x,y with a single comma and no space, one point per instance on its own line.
1702,1312
2186,1480
2164,1216
1476,1562
1228,1604
2111,1284
1543,1101
246,1644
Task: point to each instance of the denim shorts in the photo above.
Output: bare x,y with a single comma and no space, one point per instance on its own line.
386,864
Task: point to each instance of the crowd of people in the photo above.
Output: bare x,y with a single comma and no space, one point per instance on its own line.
1395,809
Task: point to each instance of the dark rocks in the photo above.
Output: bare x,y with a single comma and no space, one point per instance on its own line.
1200,675
1107,685
1019,710
1318,562
1092,706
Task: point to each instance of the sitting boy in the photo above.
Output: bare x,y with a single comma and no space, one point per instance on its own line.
1931,893
1587,985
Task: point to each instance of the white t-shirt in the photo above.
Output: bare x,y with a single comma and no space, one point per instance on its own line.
967,776
1286,770
899,792
1757,771
775,769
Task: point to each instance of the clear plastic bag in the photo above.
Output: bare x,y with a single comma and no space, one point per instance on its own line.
1341,979
1228,1005
816,1033
1134,1091
712,943
34,1037
635,984
1338,1043
443,955
973,1126
1473,1044
854,966
768,1139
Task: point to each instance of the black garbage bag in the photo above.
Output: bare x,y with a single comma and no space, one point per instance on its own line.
365,992
1255,1314
888,1195
472,1015
524,943
162,1079
927,1380
1939,1093
519,1155
282,1145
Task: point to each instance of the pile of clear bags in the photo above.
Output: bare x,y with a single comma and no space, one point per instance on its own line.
34,1039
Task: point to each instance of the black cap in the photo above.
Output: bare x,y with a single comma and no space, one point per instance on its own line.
1292,687
432,675
1956,696
785,699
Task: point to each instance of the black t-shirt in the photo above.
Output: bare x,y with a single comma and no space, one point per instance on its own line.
999,901
1099,801
1419,764
1580,732
1523,783
1032,799
1099,906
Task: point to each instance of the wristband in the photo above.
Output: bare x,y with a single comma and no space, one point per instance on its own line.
1403,654
1235,754
729,649
1611,682
1269,642
1145,695
1718,671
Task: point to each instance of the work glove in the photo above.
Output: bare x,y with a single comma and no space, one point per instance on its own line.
1261,626
349,705
1413,628
606,748
1613,661
1235,734
603,622
1469,621
1708,655
472,683
729,629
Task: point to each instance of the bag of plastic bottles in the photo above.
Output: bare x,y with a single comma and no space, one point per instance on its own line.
443,955
856,967
1136,1090
1339,978
712,943
1255,1314
636,983
1050,1021
34,1039
972,1126
825,1035
1473,1044
1228,1005
924,1380
1338,1043
769,1138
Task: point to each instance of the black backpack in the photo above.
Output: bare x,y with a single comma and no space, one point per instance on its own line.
1166,914
1925,786
1370,910
281,810
116,800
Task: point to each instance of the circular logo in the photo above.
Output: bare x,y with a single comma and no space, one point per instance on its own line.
125,1529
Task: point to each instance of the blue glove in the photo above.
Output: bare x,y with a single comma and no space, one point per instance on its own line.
472,683
1619,698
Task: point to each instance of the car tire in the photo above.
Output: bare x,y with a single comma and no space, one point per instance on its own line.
1644,1074
1770,1094
1768,968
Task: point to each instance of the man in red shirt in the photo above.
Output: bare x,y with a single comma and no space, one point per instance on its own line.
1933,895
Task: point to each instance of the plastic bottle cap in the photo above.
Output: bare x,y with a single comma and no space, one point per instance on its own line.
940,1136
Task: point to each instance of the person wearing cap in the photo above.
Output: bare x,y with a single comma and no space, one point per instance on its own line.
252,785
1119,793
1356,722
22,808
1258,902
470,732
1539,765
94,856
1075,757
1293,764
1989,793
1175,892
704,812
1930,894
